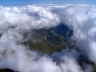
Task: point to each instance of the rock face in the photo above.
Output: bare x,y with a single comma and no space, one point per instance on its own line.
7,70
50,40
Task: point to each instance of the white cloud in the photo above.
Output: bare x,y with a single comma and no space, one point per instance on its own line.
14,21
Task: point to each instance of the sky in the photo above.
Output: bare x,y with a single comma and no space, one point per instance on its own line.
23,2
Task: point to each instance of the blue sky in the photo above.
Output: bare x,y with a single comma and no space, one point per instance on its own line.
22,2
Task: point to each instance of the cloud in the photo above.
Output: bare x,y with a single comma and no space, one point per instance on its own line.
15,21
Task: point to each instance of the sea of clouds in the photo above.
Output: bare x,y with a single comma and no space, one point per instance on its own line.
17,20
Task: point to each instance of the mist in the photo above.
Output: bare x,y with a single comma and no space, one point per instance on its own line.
18,24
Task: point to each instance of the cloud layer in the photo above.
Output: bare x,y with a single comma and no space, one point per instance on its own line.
15,21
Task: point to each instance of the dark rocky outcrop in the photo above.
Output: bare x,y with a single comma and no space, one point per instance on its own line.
7,70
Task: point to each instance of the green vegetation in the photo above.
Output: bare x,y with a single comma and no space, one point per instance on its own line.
47,41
